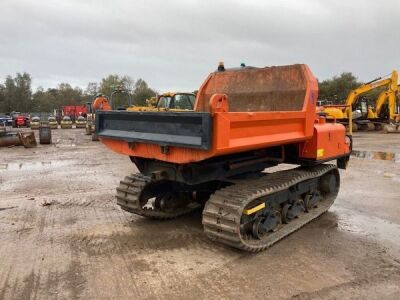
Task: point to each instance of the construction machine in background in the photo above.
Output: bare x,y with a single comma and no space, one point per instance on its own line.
357,108
324,102
66,123
167,101
80,122
102,102
120,90
244,121
52,122
14,138
35,123
385,113
72,111
89,128
20,119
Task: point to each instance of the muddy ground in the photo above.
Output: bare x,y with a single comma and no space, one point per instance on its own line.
63,237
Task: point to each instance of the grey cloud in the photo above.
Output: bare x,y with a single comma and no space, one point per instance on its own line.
175,44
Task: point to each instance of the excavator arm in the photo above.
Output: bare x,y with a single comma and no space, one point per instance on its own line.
390,95
369,86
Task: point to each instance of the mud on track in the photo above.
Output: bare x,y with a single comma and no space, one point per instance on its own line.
82,245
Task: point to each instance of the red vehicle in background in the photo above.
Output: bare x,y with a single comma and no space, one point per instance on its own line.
20,120
72,111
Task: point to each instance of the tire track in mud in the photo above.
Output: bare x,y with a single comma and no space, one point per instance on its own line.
100,200
129,265
116,273
92,249
126,249
385,274
238,278
142,235
38,281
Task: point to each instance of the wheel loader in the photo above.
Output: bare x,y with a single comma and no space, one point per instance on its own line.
216,158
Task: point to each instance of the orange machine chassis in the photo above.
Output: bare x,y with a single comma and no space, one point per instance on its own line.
238,126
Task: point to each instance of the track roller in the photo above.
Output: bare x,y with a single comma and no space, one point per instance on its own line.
253,214
263,225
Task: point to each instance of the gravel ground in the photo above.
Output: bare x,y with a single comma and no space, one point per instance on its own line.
63,236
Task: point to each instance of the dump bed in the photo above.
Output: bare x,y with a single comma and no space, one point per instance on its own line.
257,89
236,110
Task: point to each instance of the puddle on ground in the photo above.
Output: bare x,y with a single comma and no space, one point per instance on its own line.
37,165
377,155
358,223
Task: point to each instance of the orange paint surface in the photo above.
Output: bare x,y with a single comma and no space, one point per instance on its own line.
236,128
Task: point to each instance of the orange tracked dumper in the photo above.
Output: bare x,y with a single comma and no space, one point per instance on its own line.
245,120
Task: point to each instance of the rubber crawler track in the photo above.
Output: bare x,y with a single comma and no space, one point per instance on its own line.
223,211
128,197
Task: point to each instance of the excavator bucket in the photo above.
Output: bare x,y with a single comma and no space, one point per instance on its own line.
257,89
27,139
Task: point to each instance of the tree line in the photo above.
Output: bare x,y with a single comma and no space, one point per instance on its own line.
16,93
337,88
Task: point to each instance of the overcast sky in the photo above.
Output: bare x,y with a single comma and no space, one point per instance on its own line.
175,44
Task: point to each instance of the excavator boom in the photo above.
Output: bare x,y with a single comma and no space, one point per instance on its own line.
365,88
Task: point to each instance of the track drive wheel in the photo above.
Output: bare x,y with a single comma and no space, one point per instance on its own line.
158,200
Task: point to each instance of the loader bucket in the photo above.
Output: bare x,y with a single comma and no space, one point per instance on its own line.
27,139
257,89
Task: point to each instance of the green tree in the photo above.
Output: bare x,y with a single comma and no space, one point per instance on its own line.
142,92
337,88
23,92
66,95
2,99
108,84
92,89
113,82
10,94
17,93
44,101
54,98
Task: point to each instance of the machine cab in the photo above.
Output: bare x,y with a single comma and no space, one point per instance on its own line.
360,108
181,101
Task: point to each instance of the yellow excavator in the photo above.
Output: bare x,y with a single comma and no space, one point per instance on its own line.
385,114
366,117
